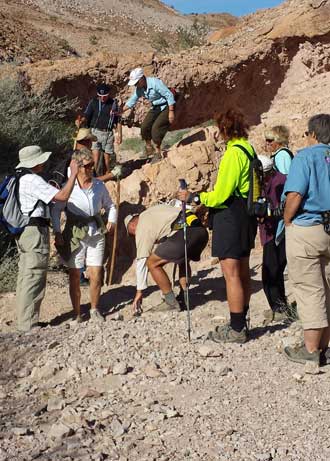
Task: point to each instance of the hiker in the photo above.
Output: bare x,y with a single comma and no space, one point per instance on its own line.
85,139
101,115
273,256
234,230
35,194
276,144
83,238
307,229
159,240
161,115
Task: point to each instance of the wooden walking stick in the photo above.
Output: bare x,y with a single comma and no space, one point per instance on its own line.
108,280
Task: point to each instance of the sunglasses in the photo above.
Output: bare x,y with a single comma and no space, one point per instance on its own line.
88,166
269,141
306,134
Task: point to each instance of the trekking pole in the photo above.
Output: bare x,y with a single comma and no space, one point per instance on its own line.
183,186
108,279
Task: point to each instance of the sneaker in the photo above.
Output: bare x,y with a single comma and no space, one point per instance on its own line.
301,355
147,152
156,158
226,334
164,307
96,316
117,171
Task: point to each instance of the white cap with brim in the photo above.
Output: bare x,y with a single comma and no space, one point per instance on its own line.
135,76
267,163
85,133
32,156
128,219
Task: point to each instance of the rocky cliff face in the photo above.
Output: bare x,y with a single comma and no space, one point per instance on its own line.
249,68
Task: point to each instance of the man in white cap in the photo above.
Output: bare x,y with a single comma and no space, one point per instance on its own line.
101,115
158,120
274,255
35,195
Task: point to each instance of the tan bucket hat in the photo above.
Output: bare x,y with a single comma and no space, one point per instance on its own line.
31,156
85,133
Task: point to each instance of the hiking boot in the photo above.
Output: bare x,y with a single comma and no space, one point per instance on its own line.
271,316
301,355
226,334
117,171
147,152
96,316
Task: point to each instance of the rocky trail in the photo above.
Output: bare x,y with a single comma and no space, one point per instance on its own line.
135,389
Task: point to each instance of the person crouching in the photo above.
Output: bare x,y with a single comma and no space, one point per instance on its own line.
157,226
83,238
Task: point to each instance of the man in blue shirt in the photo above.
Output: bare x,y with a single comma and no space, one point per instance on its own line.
307,227
160,117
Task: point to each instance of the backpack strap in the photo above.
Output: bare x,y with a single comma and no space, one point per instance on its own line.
286,149
18,176
246,152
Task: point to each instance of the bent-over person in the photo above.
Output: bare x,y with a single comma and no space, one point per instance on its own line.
159,243
83,238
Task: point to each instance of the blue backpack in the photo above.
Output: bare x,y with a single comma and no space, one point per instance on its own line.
12,219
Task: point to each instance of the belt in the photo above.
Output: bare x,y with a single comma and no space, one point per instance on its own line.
42,222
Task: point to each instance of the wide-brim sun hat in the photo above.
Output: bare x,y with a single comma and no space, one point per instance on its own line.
31,156
267,163
135,76
84,133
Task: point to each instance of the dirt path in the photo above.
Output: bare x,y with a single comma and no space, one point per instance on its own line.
135,389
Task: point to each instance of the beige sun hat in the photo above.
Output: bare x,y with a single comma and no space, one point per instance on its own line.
31,156
128,219
85,133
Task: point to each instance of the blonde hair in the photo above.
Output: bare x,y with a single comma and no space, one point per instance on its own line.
279,133
81,155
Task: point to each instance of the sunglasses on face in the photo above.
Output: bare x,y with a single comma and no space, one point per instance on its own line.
88,166
306,134
269,141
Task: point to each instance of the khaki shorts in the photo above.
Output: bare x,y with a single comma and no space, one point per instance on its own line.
308,257
89,253
105,141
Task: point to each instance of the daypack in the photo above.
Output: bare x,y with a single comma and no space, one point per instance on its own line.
255,202
12,219
279,150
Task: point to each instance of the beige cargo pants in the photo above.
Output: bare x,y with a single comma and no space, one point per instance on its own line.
33,248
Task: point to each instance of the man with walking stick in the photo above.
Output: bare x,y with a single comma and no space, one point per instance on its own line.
101,115
159,238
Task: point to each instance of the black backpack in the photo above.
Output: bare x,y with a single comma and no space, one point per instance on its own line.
255,202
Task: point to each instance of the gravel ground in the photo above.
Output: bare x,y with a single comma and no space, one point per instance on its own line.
136,389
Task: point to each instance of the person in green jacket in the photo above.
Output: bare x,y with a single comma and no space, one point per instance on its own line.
234,230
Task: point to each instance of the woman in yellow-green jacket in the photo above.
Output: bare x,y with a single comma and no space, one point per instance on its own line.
234,230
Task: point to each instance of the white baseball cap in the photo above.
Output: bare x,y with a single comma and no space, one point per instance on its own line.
135,76
267,163
31,156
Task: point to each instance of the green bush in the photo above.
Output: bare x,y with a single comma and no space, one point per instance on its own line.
27,119
195,35
159,42
8,263
134,144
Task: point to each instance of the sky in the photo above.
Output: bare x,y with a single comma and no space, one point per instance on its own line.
235,7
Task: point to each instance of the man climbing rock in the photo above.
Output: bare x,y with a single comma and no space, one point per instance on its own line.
159,240
101,115
161,115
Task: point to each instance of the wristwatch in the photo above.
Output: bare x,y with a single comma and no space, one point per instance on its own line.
196,200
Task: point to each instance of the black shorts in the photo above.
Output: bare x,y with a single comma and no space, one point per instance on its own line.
234,231
172,249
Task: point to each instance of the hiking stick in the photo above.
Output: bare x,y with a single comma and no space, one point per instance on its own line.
183,186
108,280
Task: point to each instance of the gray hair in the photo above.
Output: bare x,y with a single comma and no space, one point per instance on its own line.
81,155
320,125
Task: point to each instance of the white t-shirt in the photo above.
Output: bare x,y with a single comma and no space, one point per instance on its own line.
31,189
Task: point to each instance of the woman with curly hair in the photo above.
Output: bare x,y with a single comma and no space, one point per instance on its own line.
234,230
